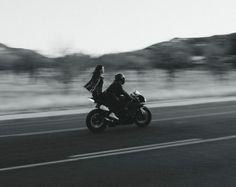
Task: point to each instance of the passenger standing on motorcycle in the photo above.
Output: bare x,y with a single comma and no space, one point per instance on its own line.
114,94
96,82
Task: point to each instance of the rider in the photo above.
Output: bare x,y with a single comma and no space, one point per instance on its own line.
115,95
96,82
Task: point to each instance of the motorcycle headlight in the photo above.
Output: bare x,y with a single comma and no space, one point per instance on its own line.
90,99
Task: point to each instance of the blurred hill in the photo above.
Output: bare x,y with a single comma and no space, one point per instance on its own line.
214,51
22,59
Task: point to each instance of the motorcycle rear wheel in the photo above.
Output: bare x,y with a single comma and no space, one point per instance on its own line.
95,121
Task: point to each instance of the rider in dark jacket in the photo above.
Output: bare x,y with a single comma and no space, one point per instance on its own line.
114,94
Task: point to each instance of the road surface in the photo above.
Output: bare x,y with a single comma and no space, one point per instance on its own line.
191,145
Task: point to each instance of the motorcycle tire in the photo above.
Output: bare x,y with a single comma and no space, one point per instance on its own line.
141,120
95,121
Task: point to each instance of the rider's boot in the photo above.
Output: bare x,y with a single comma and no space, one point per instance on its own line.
113,116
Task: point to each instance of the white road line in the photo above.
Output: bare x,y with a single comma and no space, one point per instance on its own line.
132,148
43,132
91,156
12,123
84,128
122,151
195,116
44,114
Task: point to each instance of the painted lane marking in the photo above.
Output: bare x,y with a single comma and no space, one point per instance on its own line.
122,151
12,123
43,132
195,116
132,148
92,155
44,114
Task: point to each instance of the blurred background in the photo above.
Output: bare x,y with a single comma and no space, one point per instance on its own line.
167,50
176,69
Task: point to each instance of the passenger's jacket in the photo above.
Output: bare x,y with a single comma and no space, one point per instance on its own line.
95,85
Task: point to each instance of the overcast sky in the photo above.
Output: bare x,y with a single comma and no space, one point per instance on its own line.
104,26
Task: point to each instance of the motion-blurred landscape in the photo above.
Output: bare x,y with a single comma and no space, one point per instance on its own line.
179,68
215,51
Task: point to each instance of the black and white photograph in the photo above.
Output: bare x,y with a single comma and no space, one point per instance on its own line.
117,93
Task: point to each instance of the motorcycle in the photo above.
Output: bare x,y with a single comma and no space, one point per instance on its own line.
135,111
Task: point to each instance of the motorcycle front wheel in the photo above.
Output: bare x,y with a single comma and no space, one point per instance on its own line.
95,121
144,117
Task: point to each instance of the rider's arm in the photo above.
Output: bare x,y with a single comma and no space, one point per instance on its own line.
125,93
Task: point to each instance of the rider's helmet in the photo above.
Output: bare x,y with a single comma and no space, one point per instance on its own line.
120,78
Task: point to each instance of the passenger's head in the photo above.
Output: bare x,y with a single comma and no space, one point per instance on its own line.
120,78
98,70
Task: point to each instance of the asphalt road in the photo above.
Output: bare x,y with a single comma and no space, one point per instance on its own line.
183,146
